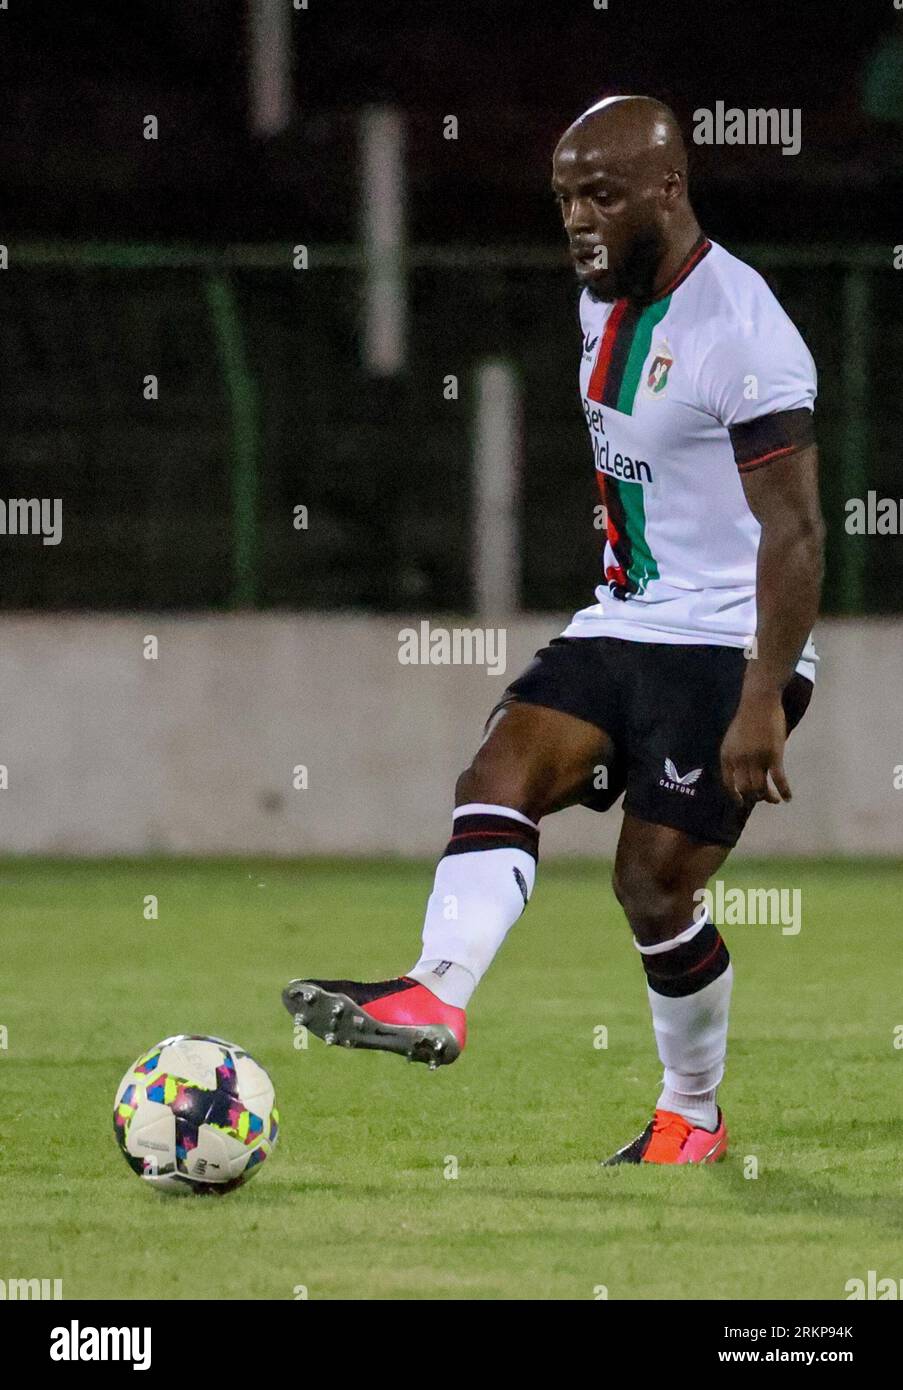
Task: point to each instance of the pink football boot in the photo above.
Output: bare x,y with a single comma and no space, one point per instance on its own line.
398,1015
669,1138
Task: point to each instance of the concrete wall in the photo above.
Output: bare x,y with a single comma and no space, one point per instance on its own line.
194,752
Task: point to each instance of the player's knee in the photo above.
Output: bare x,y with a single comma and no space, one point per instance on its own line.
496,783
653,900
469,786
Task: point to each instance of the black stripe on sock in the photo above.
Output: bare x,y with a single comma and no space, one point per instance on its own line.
485,831
688,968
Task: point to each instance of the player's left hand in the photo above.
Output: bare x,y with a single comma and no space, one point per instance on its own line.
752,753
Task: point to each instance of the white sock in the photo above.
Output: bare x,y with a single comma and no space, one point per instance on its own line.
476,899
691,1035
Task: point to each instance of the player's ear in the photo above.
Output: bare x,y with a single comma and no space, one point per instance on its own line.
672,188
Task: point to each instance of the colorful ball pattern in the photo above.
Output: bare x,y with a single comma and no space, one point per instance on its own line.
195,1115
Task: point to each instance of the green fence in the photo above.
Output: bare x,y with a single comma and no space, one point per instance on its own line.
189,500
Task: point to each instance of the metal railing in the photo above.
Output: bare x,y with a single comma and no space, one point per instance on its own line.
241,363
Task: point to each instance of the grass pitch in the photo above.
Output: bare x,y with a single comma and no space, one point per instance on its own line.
358,1201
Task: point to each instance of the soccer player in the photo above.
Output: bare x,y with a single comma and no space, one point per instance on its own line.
686,675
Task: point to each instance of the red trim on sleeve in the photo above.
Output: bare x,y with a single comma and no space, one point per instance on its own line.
767,458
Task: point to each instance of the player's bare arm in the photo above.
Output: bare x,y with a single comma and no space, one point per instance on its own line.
783,496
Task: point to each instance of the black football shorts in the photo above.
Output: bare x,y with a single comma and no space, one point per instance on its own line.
666,709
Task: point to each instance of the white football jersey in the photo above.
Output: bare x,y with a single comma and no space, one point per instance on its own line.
661,386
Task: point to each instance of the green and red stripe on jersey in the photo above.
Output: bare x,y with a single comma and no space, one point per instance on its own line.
614,381
625,511
615,377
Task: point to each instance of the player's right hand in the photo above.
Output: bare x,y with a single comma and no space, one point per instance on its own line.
752,753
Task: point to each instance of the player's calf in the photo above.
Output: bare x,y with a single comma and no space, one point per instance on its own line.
688,978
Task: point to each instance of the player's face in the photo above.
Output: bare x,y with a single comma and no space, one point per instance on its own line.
610,212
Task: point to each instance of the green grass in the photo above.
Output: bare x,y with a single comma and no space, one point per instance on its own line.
354,1203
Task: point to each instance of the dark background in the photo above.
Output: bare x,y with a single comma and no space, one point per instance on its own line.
382,465
77,78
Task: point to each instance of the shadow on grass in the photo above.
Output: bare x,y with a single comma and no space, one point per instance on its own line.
777,1193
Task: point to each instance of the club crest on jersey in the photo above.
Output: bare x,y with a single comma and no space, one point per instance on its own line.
656,381
673,782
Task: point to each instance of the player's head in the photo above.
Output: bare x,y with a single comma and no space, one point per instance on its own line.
620,176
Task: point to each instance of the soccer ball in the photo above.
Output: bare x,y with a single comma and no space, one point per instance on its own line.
195,1114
